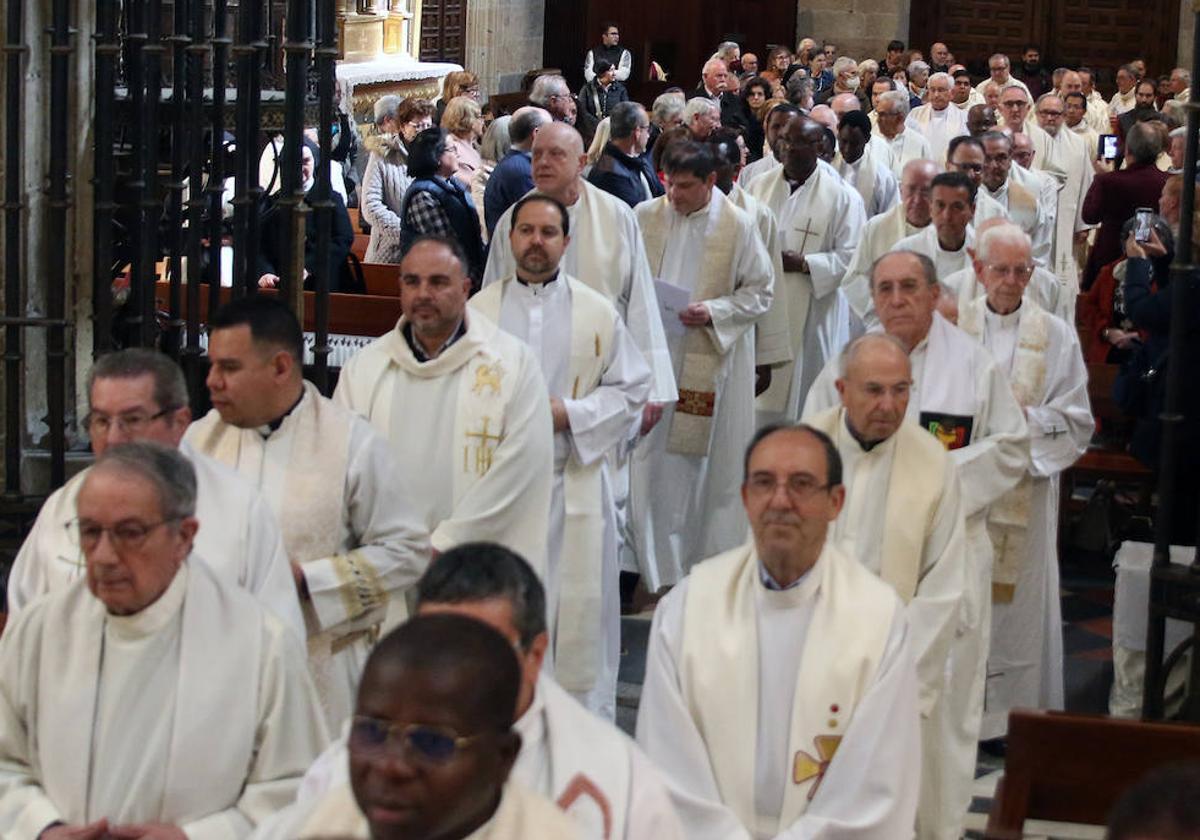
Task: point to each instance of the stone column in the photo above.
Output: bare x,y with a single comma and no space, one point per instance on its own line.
1187,25
860,28
518,26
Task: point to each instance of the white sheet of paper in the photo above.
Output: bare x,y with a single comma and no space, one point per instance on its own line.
672,300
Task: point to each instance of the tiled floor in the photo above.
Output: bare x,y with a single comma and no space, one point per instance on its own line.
1087,600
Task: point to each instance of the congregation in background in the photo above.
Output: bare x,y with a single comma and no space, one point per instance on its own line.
799,354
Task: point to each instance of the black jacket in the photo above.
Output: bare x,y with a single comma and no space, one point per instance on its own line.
599,102
273,238
621,175
733,111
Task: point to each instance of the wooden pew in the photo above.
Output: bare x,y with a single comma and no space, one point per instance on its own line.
1073,768
382,279
354,315
359,246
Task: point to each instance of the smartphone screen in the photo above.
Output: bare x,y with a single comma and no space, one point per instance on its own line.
1108,147
1145,222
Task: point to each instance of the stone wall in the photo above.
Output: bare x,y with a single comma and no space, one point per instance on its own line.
504,41
860,28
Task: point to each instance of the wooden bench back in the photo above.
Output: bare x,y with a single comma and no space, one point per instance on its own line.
382,279
1073,768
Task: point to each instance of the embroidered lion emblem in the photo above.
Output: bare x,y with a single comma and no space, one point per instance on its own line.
489,377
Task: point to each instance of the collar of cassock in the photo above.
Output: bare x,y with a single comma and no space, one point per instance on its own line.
419,351
533,287
865,445
273,426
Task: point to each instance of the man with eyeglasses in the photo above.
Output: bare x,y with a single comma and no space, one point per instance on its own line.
966,403
153,698
912,215
1065,156
136,395
1043,288
780,694
939,122
610,51
965,155
902,519
1041,357
1026,200
432,746
902,145
589,768
998,74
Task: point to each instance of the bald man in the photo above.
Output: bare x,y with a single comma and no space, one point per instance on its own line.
903,517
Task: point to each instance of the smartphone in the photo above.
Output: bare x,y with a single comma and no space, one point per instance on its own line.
1145,223
1108,147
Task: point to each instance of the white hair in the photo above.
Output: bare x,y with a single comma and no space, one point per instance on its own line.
917,67
546,86
668,106
1005,234
1183,73
941,77
699,105
844,63
726,48
385,107
1014,86
869,64
899,98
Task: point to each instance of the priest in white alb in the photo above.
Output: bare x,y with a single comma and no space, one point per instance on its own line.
431,745
937,120
681,503
880,233
1041,356
903,520
966,155
777,120
593,771
152,698
598,383
605,252
1062,151
348,517
965,402
1042,287
1019,192
772,336
780,694
820,218
900,143
948,242
137,394
874,181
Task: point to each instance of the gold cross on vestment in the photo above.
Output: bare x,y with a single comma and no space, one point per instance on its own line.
484,449
807,232
806,767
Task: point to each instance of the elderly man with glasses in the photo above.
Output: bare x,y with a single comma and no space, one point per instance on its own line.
152,698
140,395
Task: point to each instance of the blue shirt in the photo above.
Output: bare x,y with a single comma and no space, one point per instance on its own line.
511,179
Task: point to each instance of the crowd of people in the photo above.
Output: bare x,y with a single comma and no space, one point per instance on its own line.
799,348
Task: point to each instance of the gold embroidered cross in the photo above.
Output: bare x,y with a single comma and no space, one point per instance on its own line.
805,767
807,232
485,448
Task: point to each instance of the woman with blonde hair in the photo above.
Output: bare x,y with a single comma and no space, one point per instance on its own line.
463,121
457,83
599,141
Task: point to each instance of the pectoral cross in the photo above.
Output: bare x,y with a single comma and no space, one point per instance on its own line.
1054,433
807,232
484,449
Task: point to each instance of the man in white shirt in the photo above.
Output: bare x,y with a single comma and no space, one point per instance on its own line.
431,745
348,517
902,145
710,253
598,384
1124,100
588,767
137,394
950,239
903,520
151,698
939,122
780,695
1040,355
964,401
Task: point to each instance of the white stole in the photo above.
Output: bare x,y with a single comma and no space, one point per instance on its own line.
594,226
691,426
913,494
719,670
1008,516
796,289
220,649
579,611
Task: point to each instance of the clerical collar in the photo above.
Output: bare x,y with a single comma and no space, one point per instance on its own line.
865,445
544,284
419,351
273,426
770,583
1004,316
